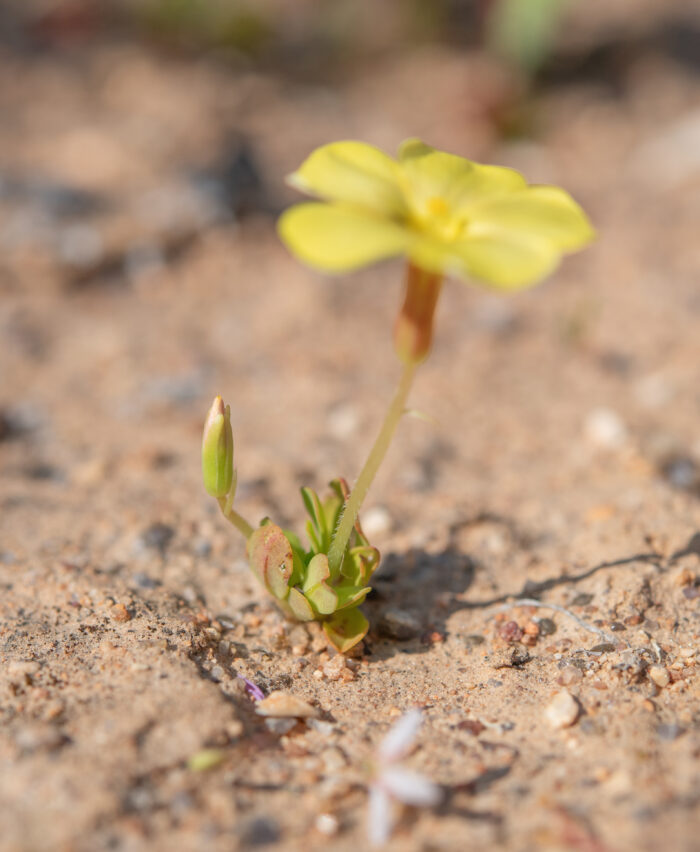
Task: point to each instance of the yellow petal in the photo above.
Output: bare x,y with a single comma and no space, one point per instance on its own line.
429,174
431,255
352,172
339,238
507,261
545,212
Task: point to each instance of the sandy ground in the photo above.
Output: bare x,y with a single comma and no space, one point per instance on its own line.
564,465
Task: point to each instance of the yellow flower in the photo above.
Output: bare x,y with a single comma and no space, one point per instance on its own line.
448,215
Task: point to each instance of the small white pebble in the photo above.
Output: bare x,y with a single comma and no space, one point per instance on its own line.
376,521
562,711
660,676
327,824
343,421
604,428
283,704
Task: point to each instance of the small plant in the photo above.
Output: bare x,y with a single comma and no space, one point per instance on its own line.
449,217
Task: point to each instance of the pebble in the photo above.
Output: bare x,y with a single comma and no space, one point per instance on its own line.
326,824
510,631
604,428
510,658
399,624
684,577
156,537
201,547
660,676
321,727
562,710
143,581
120,613
283,704
207,758
333,760
376,521
603,648
39,737
335,669
299,640
21,671
669,732
280,726
261,831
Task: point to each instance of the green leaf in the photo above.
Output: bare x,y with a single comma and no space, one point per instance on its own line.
331,510
323,599
318,592
317,528
345,629
300,607
351,596
271,559
317,571
360,563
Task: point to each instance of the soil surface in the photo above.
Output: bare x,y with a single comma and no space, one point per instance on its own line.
140,275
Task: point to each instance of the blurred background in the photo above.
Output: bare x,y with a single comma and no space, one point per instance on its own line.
143,146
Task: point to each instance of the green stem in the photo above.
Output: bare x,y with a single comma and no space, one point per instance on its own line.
237,520
352,506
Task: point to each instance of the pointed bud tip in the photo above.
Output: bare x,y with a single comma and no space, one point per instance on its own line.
217,450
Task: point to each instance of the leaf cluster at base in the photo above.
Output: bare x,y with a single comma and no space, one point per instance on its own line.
301,579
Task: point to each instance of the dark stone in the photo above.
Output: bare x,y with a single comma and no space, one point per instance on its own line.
143,581
157,537
398,624
669,731
603,648
547,626
261,831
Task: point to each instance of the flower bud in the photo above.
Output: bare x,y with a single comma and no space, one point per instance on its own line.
217,450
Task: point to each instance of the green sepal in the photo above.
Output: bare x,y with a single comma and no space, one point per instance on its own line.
271,559
345,629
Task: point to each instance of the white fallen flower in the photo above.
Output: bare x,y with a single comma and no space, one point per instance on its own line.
392,783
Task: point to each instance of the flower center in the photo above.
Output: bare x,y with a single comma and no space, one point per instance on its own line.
440,219
438,207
